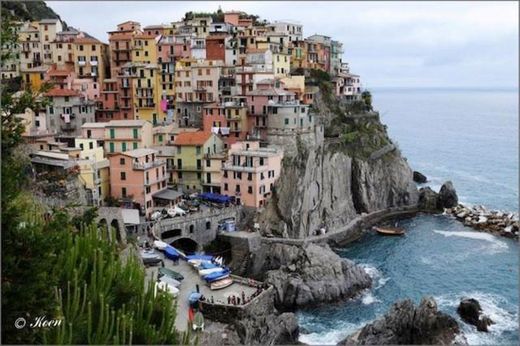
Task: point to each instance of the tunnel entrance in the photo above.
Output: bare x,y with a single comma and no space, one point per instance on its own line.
186,245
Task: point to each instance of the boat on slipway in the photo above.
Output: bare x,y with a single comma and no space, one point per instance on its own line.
222,283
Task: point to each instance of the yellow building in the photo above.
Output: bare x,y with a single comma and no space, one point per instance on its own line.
90,56
146,97
281,64
191,151
212,172
34,77
94,170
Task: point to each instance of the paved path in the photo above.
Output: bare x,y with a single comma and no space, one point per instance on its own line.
188,285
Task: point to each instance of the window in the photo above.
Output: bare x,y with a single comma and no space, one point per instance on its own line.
250,189
208,163
112,133
123,175
286,121
134,145
208,225
261,161
198,150
123,146
148,189
237,188
123,191
225,187
112,149
249,176
122,161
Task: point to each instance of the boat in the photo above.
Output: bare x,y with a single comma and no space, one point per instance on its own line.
171,253
165,287
169,280
204,272
207,265
170,273
149,254
389,230
199,257
152,261
217,276
223,283
160,245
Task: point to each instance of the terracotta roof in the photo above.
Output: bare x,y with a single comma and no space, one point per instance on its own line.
57,92
59,73
193,138
144,36
87,40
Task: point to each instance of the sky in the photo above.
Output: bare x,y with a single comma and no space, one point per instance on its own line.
390,44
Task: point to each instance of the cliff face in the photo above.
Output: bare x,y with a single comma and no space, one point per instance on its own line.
353,168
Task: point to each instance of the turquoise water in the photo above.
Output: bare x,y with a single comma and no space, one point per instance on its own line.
470,137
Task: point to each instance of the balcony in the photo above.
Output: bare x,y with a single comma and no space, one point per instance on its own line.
187,168
82,62
93,62
147,165
237,129
68,128
149,182
243,168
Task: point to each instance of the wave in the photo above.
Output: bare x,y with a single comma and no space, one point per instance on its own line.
497,245
368,298
331,336
505,321
375,274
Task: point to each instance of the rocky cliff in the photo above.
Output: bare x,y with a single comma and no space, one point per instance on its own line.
351,168
307,275
406,324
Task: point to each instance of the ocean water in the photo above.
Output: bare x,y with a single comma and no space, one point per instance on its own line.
471,138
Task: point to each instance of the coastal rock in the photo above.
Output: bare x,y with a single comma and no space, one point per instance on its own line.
309,275
448,196
470,311
326,184
420,178
406,324
428,199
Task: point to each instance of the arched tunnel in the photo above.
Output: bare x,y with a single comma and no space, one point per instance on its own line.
186,245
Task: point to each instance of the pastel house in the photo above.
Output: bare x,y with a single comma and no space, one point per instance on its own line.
136,175
250,173
124,135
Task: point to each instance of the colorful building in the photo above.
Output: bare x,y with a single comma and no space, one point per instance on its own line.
136,175
250,172
191,149
126,135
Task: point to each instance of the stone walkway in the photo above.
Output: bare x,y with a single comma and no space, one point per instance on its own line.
188,285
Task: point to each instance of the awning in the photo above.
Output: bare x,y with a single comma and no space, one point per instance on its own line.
168,194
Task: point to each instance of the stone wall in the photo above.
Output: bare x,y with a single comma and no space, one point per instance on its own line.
228,313
353,230
200,226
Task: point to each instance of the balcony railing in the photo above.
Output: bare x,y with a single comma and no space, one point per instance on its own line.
82,62
148,165
187,168
156,180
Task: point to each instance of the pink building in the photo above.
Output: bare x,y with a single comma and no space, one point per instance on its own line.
250,173
136,176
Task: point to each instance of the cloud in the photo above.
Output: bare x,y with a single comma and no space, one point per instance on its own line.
387,43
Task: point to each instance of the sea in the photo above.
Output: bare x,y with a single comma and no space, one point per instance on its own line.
468,136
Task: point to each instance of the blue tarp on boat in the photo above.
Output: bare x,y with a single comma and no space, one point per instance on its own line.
199,257
214,197
208,265
171,253
216,276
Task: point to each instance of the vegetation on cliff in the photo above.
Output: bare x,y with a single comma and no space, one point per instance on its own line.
28,10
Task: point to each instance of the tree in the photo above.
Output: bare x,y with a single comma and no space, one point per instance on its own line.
366,96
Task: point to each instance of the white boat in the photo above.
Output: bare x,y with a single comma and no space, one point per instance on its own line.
176,211
160,245
197,262
204,272
221,283
169,281
166,287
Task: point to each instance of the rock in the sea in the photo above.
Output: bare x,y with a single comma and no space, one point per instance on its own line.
406,324
471,312
420,178
448,196
428,199
312,274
